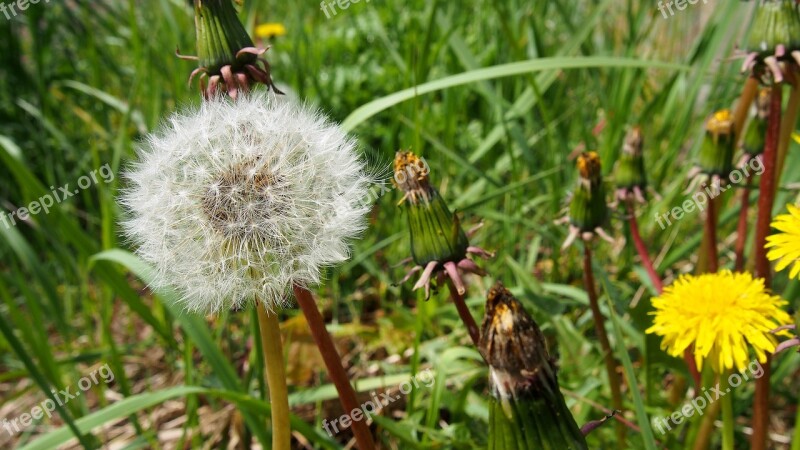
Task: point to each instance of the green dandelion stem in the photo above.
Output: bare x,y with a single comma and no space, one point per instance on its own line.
275,374
727,411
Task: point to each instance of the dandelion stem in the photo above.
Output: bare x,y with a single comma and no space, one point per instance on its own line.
347,396
275,375
703,439
745,100
762,268
741,227
711,236
466,316
642,249
727,411
789,119
602,336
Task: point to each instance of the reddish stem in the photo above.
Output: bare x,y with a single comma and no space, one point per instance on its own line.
466,316
347,396
642,249
688,355
766,199
605,344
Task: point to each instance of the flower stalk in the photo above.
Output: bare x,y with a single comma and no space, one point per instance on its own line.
275,376
333,362
762,267
605,345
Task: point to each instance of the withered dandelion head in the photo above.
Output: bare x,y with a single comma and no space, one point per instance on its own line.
243,199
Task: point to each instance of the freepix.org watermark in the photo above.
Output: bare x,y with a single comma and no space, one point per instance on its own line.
46,408
329,6
376,404
47,201
679,5
10,9
698,404
700,198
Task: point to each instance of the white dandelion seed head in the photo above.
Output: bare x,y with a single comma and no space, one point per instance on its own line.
234,201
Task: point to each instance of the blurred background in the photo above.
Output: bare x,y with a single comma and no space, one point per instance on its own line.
82,81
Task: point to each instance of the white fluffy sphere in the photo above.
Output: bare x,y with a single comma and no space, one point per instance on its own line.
240,200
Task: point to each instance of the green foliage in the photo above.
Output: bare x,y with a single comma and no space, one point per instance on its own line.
495,95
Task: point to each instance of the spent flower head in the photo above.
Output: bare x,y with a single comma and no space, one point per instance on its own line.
630,176
716,151
774,39
723,315
229,61
588,211
241,200
527,409
756,130
439,246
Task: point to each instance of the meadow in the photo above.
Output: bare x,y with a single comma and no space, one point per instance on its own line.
499,98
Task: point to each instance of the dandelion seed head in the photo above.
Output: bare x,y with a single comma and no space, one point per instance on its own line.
239,200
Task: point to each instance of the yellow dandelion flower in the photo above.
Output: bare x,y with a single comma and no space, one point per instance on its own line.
785,246
268,30
721,314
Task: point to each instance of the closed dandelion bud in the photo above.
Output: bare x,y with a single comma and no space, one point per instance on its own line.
228,59
439,246
527,409
630,176
756,130
716,151
774,37
588,209
436,234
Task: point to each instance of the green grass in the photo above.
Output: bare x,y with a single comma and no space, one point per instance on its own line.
495,95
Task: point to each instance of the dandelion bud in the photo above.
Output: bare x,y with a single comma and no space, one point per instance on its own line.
716,151
227,56
436,234
756,130
774,37
527,409
630,176
437,239
588,209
